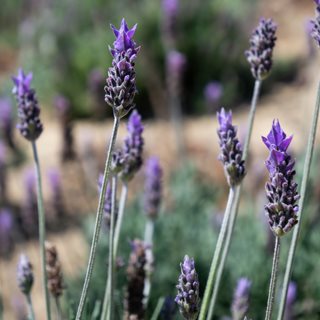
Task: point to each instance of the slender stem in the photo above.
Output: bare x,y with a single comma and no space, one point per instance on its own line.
253,107
97,226
111,272
296,231
148,239
273,279
216,256
158,308
122,204
42,229
30,307
235,207
58,307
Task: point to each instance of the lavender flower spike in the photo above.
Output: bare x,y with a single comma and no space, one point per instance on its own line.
281,188
153,188
291,298
231,149
188,290
133,147
30,125
121,81
262,42
240,303
24,275
315,32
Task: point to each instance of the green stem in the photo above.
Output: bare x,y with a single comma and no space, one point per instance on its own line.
273,279
296,231
111,272
30,307
122,204
97,226
58,306
42,229
216,256
234,212
158,308
148,239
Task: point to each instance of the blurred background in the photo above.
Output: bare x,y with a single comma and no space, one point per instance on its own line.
191,63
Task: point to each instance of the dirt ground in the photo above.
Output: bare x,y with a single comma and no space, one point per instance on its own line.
291,103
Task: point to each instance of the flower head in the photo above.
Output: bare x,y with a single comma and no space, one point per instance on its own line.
262,42
24,274
230,149
30,125
213,92
240,303
133,147
291,298
120,86
136,274
281,188
315,31
153,187
188,290
6,231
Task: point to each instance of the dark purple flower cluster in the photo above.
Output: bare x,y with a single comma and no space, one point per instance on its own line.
262,42
128,160
153,188
230,149
240,304
24,275
6,122
121,81
315,32
30,125
188,290
136,274
281,188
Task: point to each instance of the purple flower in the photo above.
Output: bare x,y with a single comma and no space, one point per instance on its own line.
262,42
281,188
136,274
315,32
30,125
61,104
153,187
291,298
240,304
3,173
121,81
57,202
170,10
188,290
133,147
6,121
24,275
230,149
176,62
213,92
107,200
6,231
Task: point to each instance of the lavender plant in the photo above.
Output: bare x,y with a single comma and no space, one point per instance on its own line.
291,298
188,290
3,174
240,304
212,93
282,195
6,122
30,127
25,280
57,202
259,57
306,172
120,90
6,232
234,167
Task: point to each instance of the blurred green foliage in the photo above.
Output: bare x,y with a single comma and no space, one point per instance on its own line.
63,41
187,227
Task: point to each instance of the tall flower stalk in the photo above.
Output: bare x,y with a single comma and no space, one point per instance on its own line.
282,195
120,91
30,127
306,172
259,56
234,167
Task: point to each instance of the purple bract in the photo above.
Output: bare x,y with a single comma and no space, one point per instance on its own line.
240,304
